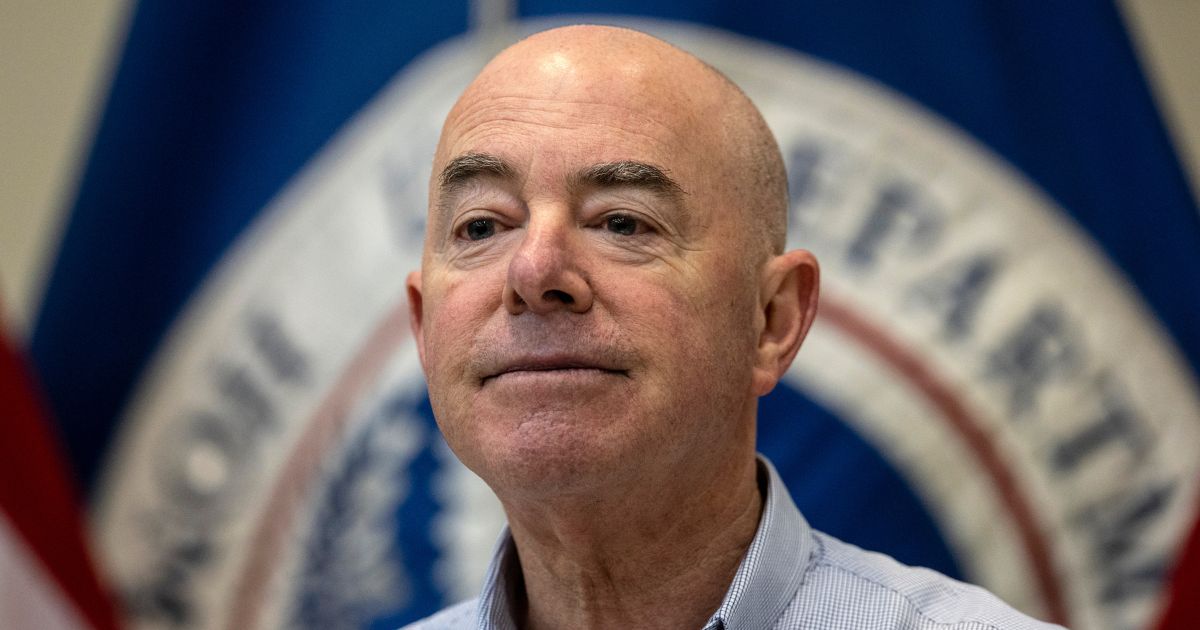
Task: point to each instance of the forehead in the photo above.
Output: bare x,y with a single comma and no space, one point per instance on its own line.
555,135
551,112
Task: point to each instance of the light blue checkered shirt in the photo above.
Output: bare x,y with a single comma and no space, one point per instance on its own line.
792,577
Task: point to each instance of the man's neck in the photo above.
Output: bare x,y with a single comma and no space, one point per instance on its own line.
645,559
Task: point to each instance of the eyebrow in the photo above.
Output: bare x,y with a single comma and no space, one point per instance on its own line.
464,169
470,166
628,173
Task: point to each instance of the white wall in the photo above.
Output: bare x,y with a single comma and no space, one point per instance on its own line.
1167,33
55,61
56,57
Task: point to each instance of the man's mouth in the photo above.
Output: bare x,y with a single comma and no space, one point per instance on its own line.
549,366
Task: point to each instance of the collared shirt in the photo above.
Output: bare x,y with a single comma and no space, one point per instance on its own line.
791,577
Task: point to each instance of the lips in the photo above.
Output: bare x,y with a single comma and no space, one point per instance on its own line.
552,363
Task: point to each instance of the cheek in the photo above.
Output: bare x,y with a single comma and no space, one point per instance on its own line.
700,335
463,306
450,330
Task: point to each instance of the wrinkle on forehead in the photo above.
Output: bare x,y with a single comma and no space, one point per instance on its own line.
512,116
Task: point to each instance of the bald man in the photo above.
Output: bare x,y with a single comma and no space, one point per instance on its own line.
602,300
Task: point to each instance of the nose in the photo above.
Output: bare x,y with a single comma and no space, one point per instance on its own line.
546,272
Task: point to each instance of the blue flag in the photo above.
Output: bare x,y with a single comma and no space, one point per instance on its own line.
1004,367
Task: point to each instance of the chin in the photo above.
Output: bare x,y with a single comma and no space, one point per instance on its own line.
547,453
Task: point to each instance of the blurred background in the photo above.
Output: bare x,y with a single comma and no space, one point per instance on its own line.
217,420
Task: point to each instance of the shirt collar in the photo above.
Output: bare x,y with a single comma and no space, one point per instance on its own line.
774,565
765,583
503,574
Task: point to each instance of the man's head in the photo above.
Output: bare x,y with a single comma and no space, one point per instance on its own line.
603,293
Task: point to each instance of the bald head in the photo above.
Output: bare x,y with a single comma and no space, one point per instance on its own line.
652,88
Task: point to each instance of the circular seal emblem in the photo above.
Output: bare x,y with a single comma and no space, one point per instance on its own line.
279,465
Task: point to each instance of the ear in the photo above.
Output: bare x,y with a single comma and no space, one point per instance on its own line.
415,312
788,287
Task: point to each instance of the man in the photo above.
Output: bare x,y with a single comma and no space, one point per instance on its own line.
603,298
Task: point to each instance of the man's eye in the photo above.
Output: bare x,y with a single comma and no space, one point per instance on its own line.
621,224
480,229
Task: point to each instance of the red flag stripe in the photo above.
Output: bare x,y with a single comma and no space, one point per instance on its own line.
1183,610
38,497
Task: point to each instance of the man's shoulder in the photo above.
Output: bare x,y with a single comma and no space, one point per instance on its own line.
876,591
456,617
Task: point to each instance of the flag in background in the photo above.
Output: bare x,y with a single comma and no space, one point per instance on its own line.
49,581
1183,608
191,375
